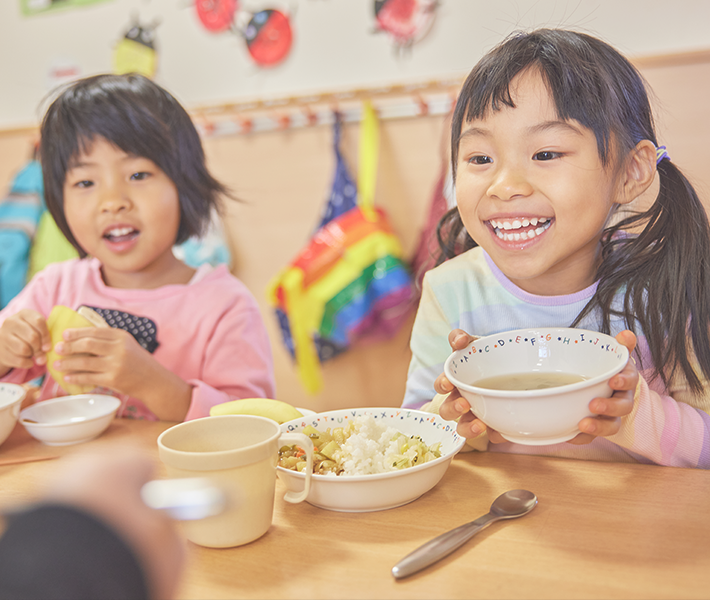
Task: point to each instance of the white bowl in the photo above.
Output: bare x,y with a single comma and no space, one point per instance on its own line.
11,397
70,419
537,416
380,491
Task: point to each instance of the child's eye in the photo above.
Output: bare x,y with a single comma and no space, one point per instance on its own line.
84,184
140,176
546,155
480,159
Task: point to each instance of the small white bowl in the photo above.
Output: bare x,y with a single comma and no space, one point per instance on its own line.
70,419
380,491
11,397
538,416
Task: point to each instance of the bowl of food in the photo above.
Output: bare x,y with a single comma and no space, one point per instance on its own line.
534,386
70,419
11,397
369,459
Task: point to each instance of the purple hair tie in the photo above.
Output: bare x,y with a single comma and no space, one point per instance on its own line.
661,153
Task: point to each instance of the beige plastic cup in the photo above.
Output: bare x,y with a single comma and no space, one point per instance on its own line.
238,453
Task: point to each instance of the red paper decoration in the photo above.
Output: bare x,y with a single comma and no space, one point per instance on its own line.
407,21
216,15
268,35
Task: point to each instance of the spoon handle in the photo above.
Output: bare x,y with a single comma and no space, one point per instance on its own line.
443,545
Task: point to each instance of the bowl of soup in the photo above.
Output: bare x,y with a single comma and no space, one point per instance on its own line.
534,386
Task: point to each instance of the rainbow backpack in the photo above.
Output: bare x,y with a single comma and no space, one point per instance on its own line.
350,282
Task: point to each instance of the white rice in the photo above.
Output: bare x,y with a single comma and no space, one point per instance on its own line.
371,448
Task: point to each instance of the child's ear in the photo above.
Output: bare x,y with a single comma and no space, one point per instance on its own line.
639,172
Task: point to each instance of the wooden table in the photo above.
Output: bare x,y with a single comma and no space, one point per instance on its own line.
600,530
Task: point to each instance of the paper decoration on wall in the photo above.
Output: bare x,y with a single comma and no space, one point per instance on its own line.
135,52
268,35
34,7
216,15
405,21
62,71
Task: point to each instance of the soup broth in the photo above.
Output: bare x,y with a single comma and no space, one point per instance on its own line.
528,381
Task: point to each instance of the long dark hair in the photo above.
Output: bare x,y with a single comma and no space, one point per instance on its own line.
664,271
142,119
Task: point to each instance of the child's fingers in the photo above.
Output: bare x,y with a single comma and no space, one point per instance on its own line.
619,405
97,333
442,385
16,352
97,341
459,339
628,339
85,345
601,426
627,379
471,426
608,420
32,327
453,407
17,355
79,363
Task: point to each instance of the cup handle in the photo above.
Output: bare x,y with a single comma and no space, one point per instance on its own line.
304,442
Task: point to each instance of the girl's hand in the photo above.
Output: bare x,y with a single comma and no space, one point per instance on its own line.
610,410
112,358
621,403
24,341
456,406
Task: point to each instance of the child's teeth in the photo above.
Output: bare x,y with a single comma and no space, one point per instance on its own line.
518,223
501,229
121,231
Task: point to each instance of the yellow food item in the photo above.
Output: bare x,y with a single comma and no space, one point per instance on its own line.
91,315
261,407
61,318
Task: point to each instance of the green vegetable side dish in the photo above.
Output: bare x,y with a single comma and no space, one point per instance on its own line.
344,450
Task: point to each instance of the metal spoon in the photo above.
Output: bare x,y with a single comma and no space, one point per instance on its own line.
510,505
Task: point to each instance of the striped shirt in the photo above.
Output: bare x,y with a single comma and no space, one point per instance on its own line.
668,425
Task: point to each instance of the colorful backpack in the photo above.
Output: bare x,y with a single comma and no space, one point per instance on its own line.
350,282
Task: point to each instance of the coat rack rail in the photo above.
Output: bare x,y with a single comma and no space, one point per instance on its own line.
390,102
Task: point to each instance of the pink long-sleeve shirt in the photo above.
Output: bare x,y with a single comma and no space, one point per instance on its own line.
209,331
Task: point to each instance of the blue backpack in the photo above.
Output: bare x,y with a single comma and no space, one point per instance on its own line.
19,215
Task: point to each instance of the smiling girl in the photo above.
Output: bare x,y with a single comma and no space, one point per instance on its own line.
552,140
125,180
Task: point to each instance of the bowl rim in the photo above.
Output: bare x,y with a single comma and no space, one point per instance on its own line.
63,399
20,398
547,392
376,476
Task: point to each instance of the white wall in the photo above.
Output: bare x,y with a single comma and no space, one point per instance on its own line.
334,47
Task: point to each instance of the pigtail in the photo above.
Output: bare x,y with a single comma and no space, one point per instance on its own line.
665,272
